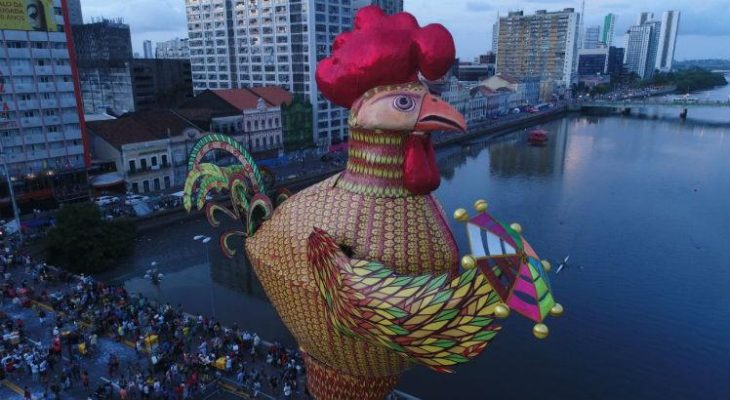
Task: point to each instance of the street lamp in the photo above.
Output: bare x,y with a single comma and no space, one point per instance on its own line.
205,240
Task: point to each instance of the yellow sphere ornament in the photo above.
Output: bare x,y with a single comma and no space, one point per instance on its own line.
540,331
516,227
557,310
468,262
461,215
546,265
501,311
480,205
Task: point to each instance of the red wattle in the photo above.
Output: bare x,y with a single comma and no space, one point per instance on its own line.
420,172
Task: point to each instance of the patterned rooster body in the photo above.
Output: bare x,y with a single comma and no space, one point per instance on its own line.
362,267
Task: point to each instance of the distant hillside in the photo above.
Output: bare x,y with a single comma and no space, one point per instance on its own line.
710,64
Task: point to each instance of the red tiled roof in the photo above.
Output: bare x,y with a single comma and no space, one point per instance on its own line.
508,78
273,95
247,98
139,127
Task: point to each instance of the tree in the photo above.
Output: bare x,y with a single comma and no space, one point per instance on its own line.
84,243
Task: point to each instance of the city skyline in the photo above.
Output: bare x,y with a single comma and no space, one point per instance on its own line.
703,33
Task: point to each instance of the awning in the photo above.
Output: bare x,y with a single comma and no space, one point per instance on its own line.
107,180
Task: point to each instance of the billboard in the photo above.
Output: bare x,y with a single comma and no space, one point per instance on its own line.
27,15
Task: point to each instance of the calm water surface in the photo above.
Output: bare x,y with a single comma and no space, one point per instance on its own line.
641,204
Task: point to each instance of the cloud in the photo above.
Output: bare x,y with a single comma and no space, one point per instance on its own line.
478,6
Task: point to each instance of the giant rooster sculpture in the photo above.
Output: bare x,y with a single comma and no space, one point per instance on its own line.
362,267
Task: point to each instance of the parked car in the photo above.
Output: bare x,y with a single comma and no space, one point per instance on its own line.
134,199
105,200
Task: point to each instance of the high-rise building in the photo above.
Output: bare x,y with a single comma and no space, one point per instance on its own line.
147,45
609,25
667,40
615,63
495,35
42,129
74,12
389,6
173,49
239,43
641,50
551,54
104,53
644,17
161,84
590,39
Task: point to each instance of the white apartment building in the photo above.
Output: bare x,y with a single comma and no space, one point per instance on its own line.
641,49
543,45
389,6
590,40
40,128
269,42
667,40
176,49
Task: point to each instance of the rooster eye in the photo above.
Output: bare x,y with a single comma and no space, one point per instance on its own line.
404,103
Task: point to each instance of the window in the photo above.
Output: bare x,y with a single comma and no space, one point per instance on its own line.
167,182
135,187
133,167
164,160
146,185
143,167
157,184
154,161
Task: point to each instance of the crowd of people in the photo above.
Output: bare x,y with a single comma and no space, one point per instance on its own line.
178,356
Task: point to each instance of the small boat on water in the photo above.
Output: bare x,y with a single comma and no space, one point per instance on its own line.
538,137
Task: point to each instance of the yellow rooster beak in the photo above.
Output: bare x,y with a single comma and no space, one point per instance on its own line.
438,115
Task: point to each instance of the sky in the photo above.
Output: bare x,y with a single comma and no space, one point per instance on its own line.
704,27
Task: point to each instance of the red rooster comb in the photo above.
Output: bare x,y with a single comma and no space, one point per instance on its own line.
383,50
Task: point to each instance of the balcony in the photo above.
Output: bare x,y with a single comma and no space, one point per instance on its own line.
44,70
75,150
21,88
14,157
28,105
70,118
65,86
54,136
63,70
46,87
72,134
16,35
34,138
36,155
41,53
52,120
19,70
30,122
59,54
68,102
18,53
49,103
57,37
12,141
58,152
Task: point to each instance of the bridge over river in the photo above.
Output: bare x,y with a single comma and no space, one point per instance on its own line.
626,105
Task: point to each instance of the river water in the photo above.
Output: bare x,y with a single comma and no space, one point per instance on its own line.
641,205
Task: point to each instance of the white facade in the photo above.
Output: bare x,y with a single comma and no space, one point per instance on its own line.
590,40
389,6
667,40
641,49
176,49
268,42
39,121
